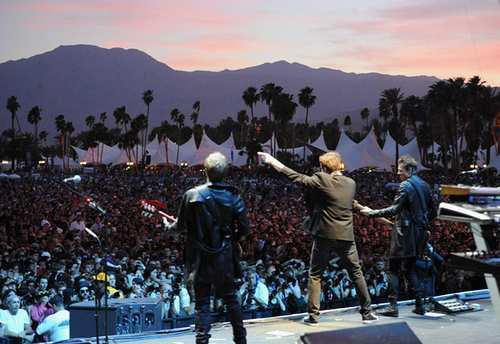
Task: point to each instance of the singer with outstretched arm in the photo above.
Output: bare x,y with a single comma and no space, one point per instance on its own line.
332,196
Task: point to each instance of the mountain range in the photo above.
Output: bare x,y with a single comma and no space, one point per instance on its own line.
82,80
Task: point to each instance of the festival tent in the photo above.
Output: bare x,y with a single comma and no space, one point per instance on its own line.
317,146
266,146
80,153
186,151
367,153
208,146
494,158
411,148
234,156
131,155
320,142
165,153
101,154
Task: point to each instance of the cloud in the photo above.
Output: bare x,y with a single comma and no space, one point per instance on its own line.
441,38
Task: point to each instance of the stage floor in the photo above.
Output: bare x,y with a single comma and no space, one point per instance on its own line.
469,327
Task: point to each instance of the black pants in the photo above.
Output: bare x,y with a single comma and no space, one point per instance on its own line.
320,256
403,267
202,292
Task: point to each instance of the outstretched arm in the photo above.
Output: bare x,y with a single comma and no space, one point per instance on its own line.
392,210
291,174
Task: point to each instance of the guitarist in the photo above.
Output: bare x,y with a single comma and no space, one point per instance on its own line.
413,208
214,219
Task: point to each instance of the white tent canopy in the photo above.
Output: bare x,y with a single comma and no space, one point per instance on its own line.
186,151
233,154
132,155
165,153
80,153
266,146
367,153
229,143
208,146
320,142
411,148
101,154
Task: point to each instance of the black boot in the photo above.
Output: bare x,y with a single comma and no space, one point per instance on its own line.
391,310
419,306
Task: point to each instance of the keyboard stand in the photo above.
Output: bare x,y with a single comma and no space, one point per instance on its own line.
491,281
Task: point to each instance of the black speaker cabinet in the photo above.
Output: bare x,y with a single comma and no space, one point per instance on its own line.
124,316
394,333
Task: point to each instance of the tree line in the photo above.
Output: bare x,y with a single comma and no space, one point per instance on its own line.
456,114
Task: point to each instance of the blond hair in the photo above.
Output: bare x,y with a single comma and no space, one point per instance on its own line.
332,161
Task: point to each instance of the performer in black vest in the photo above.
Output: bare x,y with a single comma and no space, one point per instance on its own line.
413,209
213,218
331,196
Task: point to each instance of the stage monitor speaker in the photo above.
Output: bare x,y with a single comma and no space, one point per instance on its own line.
394,333
124,316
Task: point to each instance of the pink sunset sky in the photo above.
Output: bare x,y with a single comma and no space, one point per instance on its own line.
445,38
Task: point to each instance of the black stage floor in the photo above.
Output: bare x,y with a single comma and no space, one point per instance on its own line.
479,327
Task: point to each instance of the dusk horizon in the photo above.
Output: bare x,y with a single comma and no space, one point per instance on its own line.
445,39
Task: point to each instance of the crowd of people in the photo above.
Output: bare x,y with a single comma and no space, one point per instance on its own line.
48,255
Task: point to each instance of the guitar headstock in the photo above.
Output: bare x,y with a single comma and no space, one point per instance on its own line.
148,209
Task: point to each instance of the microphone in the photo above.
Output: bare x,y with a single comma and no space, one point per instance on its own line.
75,179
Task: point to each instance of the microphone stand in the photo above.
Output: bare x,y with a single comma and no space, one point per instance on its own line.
92,204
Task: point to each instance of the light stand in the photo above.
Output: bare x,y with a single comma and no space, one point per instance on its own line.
94,205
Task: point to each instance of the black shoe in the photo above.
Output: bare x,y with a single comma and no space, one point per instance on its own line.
369,318
389,311
310,321
419,310
419,306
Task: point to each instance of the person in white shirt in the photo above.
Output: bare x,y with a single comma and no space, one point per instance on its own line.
56,325
15,320
254,293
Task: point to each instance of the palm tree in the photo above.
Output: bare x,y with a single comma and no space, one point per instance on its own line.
90,121
242,119
390,102
122,118
34,117
196,128
251,97
365,113
348,122
196,112
178,118
102,117
43,136
68,130
148,98
161,134
283,107
267,93
61,128
102,132
13,106
137,126
306,100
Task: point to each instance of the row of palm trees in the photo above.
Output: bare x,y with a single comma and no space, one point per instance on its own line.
455,113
